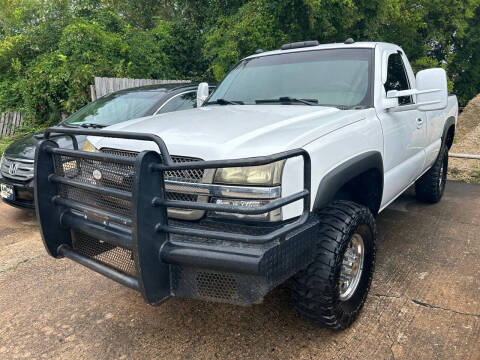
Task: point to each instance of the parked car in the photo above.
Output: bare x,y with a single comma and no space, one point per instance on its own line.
17,164
278,176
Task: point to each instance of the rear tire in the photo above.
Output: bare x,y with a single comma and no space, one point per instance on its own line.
321,292
431,186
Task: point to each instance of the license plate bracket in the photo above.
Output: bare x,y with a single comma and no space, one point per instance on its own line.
7,192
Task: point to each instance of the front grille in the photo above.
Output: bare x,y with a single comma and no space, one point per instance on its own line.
17,169
184,175
195,175
119,176
82,170
115,257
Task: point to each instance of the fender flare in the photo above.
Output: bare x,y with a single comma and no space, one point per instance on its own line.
342,174
448,123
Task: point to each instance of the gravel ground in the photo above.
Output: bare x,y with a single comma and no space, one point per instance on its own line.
424,302
467,141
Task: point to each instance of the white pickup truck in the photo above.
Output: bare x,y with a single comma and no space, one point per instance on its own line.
278,175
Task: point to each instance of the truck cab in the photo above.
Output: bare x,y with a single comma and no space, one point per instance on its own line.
278,175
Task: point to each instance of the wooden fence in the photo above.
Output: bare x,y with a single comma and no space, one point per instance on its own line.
9,122
104,86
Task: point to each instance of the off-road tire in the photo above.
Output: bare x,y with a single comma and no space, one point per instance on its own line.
431,186
316,289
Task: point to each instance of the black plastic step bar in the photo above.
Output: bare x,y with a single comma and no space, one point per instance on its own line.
148,231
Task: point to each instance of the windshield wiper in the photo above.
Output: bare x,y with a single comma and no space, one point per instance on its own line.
287,99
84,125
226,102
93,125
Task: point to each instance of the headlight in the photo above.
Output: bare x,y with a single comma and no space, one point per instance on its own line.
267,175
87,146
263,175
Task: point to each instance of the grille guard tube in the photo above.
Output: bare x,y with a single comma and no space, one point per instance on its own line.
150,236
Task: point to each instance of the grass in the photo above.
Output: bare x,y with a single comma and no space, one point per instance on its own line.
469,175
13,267
4,144
475,174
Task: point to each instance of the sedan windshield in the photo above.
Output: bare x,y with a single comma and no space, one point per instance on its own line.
116,108
337,77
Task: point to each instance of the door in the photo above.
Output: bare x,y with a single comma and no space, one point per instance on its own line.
405,132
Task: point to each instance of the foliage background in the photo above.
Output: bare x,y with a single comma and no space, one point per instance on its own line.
50,50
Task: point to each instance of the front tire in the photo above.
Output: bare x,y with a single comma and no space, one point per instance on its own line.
431,186
332,290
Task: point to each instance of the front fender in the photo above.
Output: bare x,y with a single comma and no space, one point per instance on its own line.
333,181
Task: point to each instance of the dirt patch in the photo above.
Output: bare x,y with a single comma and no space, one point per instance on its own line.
467,141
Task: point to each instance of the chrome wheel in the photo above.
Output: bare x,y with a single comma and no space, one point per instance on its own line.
441,178
352,267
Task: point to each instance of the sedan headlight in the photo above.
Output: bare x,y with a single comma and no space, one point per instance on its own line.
87,146
266,175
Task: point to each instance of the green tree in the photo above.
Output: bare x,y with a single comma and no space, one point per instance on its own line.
466,67
268,24
253,26
50,50
147,52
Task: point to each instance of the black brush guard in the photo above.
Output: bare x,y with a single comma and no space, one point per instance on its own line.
234,264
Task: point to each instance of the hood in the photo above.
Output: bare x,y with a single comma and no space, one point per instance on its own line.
25,147
234,131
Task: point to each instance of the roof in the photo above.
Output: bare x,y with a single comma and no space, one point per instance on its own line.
319,47
157,88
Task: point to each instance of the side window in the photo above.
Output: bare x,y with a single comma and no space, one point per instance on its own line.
180,102
397,78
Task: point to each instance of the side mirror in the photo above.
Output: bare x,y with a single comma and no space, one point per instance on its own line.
432,89
202,93
431,92
390,102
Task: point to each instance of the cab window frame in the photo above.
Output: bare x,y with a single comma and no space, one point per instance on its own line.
404,100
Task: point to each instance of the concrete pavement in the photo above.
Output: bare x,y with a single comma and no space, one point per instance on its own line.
424,302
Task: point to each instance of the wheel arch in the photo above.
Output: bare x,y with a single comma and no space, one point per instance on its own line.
449,132
348,181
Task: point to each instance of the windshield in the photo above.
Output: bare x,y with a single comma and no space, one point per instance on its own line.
116,108
338,77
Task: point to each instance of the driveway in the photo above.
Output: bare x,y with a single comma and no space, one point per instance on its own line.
424,302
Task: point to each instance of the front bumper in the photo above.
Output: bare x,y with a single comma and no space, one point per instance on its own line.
144,249
24,194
